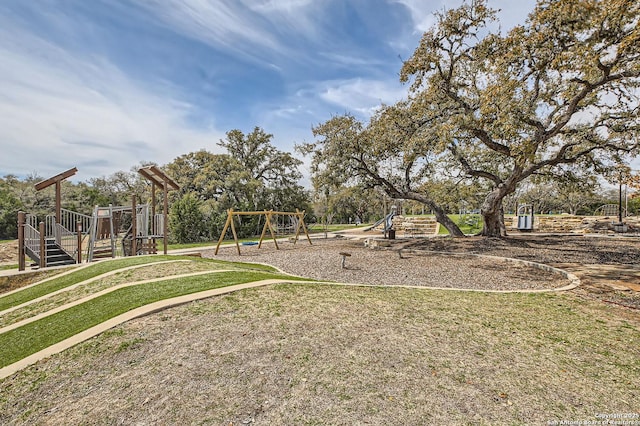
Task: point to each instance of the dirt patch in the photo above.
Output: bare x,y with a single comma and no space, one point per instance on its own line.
541,248
9,252
15,281
607,266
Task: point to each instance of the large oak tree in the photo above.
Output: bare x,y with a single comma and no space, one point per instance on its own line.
560,89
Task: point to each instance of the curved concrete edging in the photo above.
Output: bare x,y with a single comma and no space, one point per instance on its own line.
127,316
575,281
102,293
73,286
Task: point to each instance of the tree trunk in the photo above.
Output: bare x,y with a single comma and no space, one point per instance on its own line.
493,215
441,215
444,220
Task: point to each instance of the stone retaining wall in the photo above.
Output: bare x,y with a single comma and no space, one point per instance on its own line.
416,225
580,224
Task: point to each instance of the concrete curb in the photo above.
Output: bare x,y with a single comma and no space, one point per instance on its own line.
575,281
135,313
102,293
71,287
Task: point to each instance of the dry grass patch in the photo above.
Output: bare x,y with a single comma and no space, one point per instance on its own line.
319,354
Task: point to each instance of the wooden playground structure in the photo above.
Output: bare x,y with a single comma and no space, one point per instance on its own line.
268,216
60,238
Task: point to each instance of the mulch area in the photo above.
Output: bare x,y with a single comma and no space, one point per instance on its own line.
608,266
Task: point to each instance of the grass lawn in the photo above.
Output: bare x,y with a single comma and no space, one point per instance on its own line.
106,281
468,223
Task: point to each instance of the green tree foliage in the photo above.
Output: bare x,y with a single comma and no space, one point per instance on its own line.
186,220
9,207
561,89
390,154
117,189
252,175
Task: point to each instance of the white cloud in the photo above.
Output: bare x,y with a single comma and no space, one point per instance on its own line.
361,96
297,16
246,28
509,14
59,111
422,13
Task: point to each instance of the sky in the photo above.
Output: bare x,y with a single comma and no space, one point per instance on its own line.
103,85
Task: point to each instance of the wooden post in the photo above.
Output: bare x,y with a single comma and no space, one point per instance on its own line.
273,234
304,227
43,246
22,218
154,231
154,228
224,231
57,179
165,214
134,227
301,225
79,233
233,231
267,218
157,177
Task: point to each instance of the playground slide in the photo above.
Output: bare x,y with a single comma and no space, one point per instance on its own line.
388,222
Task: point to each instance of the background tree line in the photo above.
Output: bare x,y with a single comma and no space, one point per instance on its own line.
195,216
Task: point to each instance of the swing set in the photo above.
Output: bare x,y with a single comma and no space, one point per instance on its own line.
300,226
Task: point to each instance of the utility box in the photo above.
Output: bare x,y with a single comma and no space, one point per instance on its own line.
525,217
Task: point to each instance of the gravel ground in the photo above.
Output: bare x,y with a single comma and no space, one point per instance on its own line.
548,249
411,266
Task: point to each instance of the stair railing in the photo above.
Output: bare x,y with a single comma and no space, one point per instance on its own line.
50,227
64,233
32,235
67,240
93,234
69,220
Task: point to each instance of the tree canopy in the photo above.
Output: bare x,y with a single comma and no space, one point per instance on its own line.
252,175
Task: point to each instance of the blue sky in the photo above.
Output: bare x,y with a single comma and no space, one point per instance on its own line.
102,85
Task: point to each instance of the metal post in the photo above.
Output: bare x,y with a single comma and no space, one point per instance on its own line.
620,201
154,230
43,246
58,202
79,232
22,218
